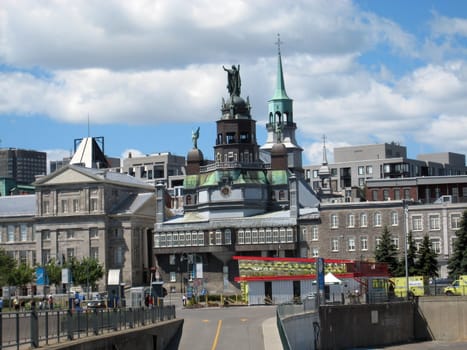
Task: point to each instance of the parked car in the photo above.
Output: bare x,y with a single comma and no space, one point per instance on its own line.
96,304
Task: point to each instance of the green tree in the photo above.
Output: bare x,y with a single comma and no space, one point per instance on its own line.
7,264
21,275
427,263
386,252
54,273
457,263
86,272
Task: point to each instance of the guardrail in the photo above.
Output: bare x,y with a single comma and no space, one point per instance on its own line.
38,328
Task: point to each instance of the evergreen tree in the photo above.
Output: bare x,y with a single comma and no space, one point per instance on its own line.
427,263
386,252
457,263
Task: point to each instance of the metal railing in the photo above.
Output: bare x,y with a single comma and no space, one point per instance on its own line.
36,328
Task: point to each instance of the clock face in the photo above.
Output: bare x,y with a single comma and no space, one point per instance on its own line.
225,191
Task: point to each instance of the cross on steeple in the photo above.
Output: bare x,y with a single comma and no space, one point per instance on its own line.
278,43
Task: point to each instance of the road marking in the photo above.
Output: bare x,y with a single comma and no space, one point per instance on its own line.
243,319
218,332
206,321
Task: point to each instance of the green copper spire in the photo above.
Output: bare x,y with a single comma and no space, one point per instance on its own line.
280,93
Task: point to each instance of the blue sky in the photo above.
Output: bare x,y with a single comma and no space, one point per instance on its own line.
146,73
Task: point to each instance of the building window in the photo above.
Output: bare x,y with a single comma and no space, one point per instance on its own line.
175,239
200,238
70,234
361,170
289,235
94,253
228,237
377,219
254,236
315,252
268,235
361,181
407,194
181,239
247,237
436,245
45,234
24,232
351,220
64,206
369,169
11,233
335,245
451,244
394,219
45,256
385,195
434,223
23,257
397,194
314,233
417,223
377,242
304,235
282,235
46,207
212,238
455,221
169,240
363,220
93,204
93,232
351,244
70,254
173,276
334,221
241,237
395,242
374,195
188,237
364,243
275,235
119,256
75,205
315,174
172,259
218,237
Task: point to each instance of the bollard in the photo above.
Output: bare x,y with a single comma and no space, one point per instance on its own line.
70,324
34,329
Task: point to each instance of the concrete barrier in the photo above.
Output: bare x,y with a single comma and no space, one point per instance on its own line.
366,325
442,318
165,335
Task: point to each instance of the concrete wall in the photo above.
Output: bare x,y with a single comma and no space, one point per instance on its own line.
300,331
351,326
161,336
442,318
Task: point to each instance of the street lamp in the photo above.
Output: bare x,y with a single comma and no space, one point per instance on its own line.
406,229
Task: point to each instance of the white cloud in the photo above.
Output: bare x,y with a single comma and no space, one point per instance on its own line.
148,62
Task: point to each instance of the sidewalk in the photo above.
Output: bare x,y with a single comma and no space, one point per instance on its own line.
272,340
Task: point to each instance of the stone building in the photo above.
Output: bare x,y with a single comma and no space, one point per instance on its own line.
237,204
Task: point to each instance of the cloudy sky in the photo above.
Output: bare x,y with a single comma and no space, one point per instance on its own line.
146,73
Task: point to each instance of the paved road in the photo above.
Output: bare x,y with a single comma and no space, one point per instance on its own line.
230,328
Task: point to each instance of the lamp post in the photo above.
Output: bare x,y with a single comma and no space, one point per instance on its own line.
406,228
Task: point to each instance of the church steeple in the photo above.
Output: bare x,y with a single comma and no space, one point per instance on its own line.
280,93
281,127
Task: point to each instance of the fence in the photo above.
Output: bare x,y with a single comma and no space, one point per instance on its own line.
38,328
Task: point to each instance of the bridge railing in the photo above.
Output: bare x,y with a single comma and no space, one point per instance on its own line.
38,328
